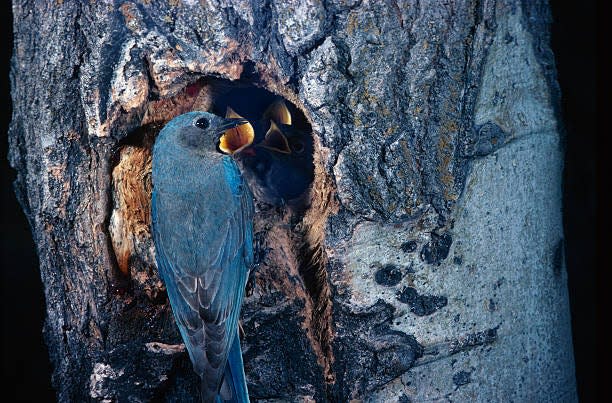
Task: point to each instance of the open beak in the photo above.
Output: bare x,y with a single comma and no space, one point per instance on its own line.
279,113
275,140
230,124
236,133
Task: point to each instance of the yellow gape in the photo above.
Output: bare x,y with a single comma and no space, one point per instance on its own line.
238,138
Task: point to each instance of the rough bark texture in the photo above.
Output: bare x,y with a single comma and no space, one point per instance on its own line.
430,263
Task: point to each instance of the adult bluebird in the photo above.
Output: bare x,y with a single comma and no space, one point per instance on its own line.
202,213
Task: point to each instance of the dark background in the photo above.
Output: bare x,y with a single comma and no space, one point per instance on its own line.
26,368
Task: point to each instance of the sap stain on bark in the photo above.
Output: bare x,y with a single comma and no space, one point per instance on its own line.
409,246
436,250
421,305
558,257
462,378
388,275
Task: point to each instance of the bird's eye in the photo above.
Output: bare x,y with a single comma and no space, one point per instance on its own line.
202,123
298,146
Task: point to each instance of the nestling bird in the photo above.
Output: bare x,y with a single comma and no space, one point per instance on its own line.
279,167
202,213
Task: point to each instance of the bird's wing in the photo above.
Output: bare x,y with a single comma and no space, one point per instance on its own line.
204,241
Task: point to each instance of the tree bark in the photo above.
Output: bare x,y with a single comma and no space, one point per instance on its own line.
429,264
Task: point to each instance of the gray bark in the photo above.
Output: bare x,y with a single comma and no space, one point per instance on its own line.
429,265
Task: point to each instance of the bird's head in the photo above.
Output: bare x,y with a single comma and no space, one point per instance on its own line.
205,132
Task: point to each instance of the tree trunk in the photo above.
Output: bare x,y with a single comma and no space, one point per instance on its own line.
429,264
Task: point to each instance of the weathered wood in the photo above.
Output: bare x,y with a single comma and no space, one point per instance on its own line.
430,262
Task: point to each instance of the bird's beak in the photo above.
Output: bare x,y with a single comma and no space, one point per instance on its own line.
227,124
236,133
275,140
278,112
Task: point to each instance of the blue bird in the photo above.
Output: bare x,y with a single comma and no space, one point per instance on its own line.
202,212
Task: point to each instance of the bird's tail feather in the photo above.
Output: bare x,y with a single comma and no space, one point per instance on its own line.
234,387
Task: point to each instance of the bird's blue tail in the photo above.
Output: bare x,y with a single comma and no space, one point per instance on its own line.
234,388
